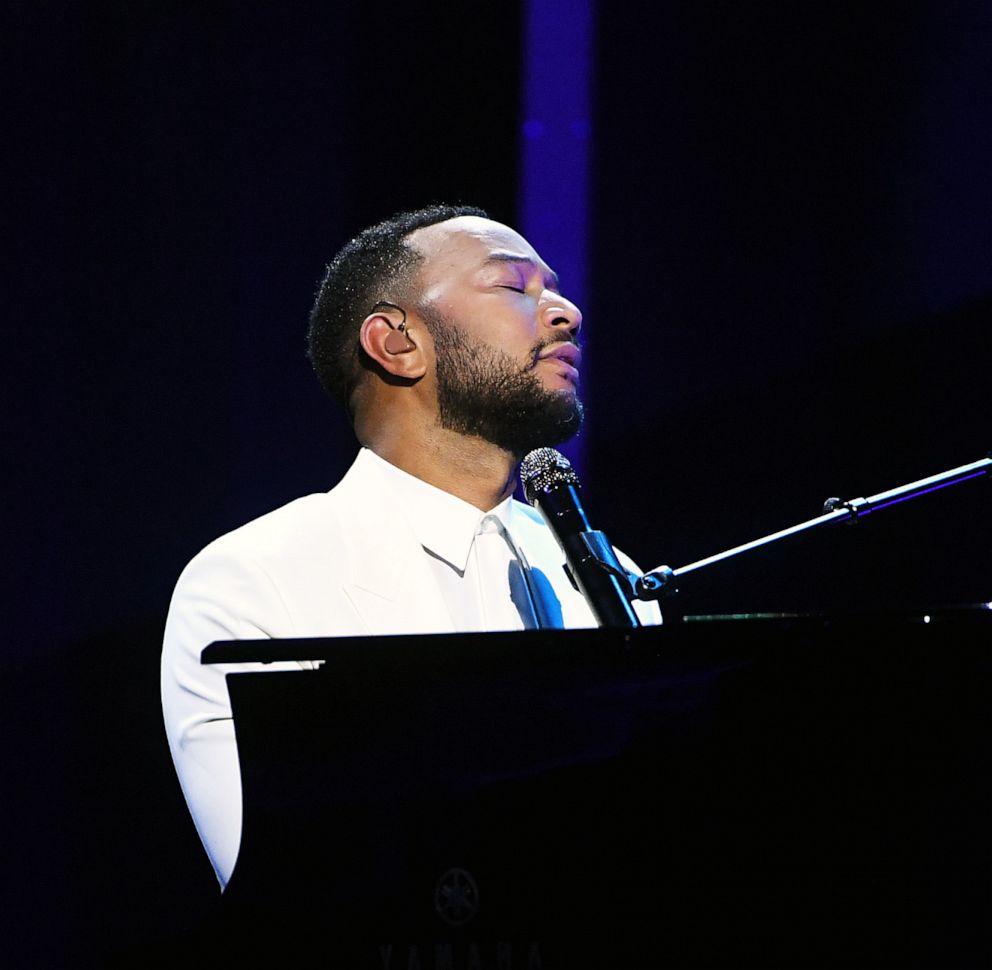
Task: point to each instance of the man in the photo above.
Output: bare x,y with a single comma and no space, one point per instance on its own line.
446,337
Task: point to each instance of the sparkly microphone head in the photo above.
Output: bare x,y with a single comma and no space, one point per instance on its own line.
545,469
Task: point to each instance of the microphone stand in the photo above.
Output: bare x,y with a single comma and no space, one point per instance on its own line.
659,582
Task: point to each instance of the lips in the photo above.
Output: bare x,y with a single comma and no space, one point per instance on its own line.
567,354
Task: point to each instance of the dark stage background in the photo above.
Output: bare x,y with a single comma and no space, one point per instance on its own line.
788,297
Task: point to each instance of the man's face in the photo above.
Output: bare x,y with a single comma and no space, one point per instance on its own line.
506,361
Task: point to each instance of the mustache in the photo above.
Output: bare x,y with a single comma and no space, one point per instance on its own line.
543,345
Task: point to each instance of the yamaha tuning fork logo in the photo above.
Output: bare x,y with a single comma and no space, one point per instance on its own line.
456,897
456,901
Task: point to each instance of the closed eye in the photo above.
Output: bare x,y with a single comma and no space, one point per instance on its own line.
516,289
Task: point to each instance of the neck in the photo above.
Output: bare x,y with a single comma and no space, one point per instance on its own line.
474,470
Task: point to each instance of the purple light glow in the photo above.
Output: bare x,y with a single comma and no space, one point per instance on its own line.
925,491
554,150
533,129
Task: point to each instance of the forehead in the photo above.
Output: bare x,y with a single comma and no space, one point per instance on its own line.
466,243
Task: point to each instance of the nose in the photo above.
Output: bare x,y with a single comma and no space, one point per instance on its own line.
562,314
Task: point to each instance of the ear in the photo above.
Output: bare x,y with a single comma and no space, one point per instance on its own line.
397,351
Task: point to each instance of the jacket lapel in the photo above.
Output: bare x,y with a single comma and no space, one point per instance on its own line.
392,589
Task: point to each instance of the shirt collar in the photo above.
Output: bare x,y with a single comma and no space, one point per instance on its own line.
442,523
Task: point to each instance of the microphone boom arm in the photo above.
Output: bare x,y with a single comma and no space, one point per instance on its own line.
660,582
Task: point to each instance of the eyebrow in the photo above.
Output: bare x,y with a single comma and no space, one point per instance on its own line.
525,261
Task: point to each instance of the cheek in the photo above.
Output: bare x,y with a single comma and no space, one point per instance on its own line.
502,319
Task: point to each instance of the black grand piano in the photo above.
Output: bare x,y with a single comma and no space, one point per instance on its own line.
777,790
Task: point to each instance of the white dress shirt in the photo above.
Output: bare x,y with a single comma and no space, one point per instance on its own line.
482,572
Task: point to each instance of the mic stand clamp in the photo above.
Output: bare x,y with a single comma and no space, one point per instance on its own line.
656,584
600,551
854,507
650,586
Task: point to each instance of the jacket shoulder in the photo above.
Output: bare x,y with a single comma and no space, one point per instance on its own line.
305,521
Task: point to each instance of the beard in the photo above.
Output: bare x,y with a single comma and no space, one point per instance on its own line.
484,393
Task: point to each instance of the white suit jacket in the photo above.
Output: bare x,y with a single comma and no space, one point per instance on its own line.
339,563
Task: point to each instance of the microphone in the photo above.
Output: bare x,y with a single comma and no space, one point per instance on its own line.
551,485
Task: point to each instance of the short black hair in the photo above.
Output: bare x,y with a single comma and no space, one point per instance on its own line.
366,270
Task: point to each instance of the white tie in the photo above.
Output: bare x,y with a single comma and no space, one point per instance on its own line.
503,584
